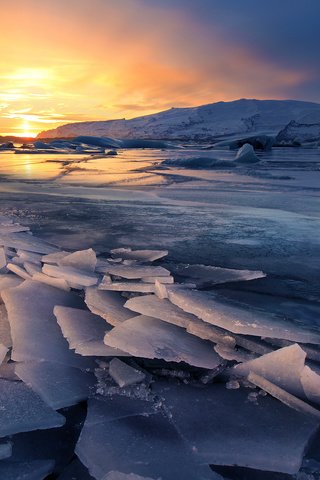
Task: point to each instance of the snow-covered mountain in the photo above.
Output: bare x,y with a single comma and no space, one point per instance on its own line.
198,123
299,133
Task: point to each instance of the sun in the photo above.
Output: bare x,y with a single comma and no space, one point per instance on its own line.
26,130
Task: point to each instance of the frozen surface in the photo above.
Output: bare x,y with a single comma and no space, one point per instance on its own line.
36,470
27,242
135,443
237,432
149,337
35,332
109,305
85,331
22,410
5,450
212,309
58,385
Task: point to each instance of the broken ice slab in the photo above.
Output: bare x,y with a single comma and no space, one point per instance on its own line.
123,374
7,372
126,286
85,260
108,305
135,443
58,385
34,329
205,275
54,282
70,274
85,332
5,450
149,337
3,258
25,241
285,397
215,310
21,272
8,281
29,256
165,280
153,306
21,410
5,331
140,255
14,228
55,257
3,352
237,432
233,354
35,470
32,268
135,272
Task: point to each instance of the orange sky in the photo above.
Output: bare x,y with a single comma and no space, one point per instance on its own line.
73,60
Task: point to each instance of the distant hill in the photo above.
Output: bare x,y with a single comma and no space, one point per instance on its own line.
207,122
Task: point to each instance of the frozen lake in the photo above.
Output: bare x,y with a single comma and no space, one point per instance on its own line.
262,216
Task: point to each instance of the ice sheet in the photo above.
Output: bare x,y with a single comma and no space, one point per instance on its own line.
70,274
85,260
140,255
27,242
135,272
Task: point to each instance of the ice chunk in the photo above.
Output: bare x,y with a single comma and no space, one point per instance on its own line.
21,410
140,255
153,306
137,444
58,385
135,272
32,268
149,337
283,396
55,257
311,384
246,154
34,329
265,435
54,282
231,354
215,310
85,260
3,258
165,280
5,332
21,272
5,450
109,305
29,256
205,275
3,352
70,274
8,281
126,286
85,331
35,470
123,374
25,241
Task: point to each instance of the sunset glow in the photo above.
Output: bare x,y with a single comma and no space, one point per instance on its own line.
74,61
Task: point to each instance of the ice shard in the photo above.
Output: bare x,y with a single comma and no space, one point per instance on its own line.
70,274
21,272
127,286
21,410
58,385
237,319
85,260
149,337
108,305
52,281
5,331
54,258
32,268
25,241
85,331
266,435
140,255
136,272
34,329
123,374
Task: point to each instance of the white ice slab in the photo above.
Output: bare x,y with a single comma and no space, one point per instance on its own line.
149,337
126,286
123,374
3,352
153,306
85,331
5,331
29,256
27,242
3,258
165,280
70,274
32,268
54,258
310,381
140,255
21,272
108,305
9,281
54,282
85,260
58,385
135,272
212,309
34,329
21,410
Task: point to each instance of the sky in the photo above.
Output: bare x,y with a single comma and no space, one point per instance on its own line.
65,61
